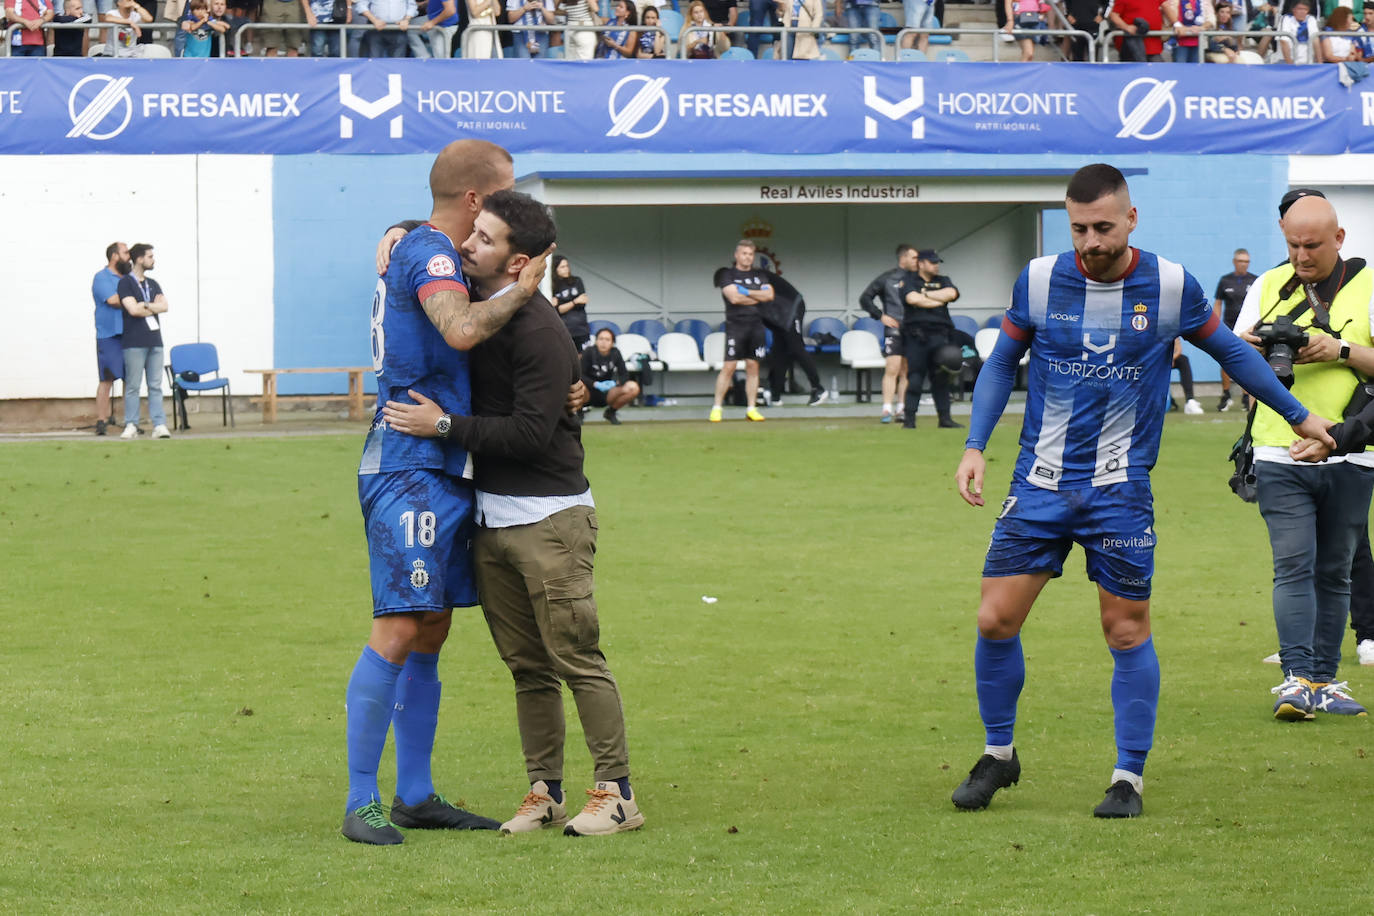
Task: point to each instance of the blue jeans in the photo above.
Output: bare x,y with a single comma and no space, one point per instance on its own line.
388,44
147,361
1184,55
761,13
520,43
1315,515
863,17
324,43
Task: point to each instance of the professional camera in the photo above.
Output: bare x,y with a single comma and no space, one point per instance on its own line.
1282,340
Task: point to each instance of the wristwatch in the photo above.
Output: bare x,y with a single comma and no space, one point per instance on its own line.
443,425
1345,352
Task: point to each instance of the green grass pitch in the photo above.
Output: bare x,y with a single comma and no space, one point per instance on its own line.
180,620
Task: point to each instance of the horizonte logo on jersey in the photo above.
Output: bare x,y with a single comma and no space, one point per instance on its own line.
1094,371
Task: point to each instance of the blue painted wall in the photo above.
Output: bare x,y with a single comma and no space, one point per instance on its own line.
329,211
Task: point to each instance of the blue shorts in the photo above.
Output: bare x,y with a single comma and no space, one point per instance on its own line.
419,540
109,359
1114,525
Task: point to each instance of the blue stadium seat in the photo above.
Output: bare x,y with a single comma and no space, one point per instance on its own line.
832,326
671,21
949,54
832,54
695,327
554,53
911,54
596,324
994,321
649,328
865,54
871,325
888,21
966,324
742,20
736,54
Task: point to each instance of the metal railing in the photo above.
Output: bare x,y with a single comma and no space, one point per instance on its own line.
107,28
1014,33
785,33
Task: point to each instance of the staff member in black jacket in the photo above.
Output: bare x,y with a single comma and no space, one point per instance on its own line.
537,534
926,328
570,298
885,300
606,378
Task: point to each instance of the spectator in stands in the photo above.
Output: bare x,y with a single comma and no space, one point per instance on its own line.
143,302
109,325
530,12
193,31
927,327
1188,18
650,44
570,298
325,42
1228,298
1299,24
761,13
720,12
860,14
885,300
275,13
1364,39
1024,16
1136,18
483,45
580,44
435,35
28,40
1337,39
127,14
700,43
1223,49
382,13
608,381
71,42
619,42
806,14
1185,380
1086,16
918,14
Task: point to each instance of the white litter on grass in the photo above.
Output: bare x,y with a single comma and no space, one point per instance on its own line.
707,599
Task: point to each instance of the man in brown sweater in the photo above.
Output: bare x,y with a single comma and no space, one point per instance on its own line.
537,533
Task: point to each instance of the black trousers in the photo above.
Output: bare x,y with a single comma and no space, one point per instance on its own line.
1185,375
919,347
789,348
1362,591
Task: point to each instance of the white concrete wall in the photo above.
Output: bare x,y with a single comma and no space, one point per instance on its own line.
210,221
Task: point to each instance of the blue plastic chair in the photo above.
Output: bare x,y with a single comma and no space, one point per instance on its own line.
949,54
865,54
695,327
188,365
649,328
672,22
994,321
736,54
911,54
596,324
888,22
966,324
832,54
871,325
832,326
557,52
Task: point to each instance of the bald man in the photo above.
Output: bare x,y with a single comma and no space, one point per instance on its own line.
1316,513
417,506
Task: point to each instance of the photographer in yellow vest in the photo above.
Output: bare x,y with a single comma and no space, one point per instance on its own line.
1311,318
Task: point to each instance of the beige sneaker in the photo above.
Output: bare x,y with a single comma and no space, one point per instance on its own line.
606,813
536,812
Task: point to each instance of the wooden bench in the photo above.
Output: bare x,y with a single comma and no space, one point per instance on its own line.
355,388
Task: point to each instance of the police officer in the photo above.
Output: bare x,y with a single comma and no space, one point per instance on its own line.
926,327
885,300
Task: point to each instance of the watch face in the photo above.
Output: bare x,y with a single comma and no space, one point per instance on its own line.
442,425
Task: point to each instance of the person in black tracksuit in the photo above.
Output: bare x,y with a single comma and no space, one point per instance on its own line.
926,327
570,298
608,381
785,316
885,300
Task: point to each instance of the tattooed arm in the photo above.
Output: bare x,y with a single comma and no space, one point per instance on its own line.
464,323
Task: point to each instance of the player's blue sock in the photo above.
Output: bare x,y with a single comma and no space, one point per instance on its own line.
415,719
555,789
1000,670
371,693
624,783
1135,698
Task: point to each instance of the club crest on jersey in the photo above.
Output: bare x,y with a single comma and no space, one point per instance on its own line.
441,265
419,577
1140,322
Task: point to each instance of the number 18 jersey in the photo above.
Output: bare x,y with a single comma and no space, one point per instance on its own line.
408,352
